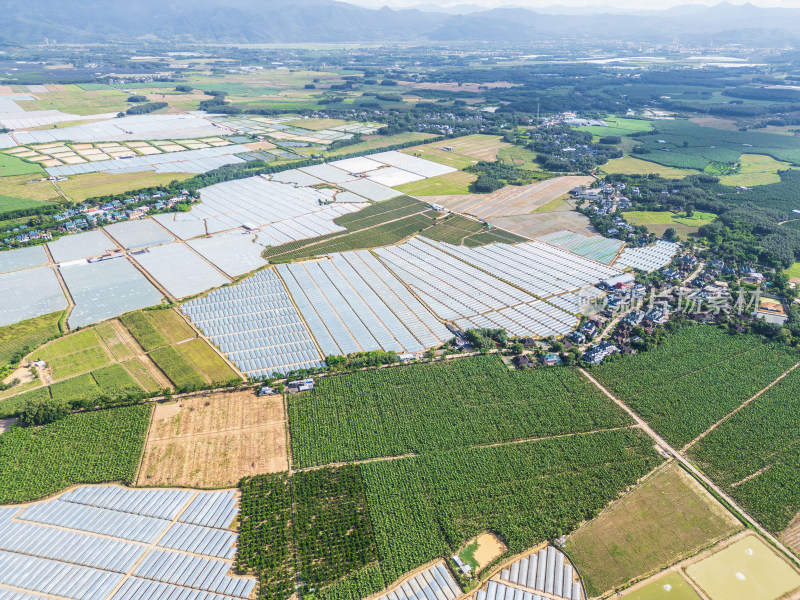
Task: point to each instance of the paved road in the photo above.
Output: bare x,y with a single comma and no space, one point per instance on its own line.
662,445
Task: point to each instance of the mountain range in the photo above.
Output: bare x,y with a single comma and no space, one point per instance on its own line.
288,21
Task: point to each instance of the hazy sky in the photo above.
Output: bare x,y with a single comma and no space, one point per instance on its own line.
633,4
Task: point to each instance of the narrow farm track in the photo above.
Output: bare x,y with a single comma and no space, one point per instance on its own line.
737,409
750,521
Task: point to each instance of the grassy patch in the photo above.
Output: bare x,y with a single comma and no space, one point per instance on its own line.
170,324
444,185
179,370
618,126
666,518
11,165
73,354
142,375
90,185
380,141
659,221
118,348
207,361
628,165
468,555
25,336
92,447
17,186
76,101
794,271
518,156
755,169
553,205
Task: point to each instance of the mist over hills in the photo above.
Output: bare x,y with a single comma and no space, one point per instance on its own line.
275,21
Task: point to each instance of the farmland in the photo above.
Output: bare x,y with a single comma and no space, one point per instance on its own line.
213,441
665,519
449,184
10,166
683,144
143,329
754,455
91,185
659,221
418,509
73,354
175,366
19,339
111,383
423,408
618,126
629,165
694,378
755,169
84,448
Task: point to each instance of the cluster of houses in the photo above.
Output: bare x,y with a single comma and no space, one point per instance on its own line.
87,216
605,199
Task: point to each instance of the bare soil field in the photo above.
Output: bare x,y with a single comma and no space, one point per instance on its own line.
489,548
791,535
213,441
5,424
512,200
538,224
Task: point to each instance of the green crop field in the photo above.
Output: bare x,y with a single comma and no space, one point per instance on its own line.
73,354
170,324
426,507
143,330
794,271
444,185
659,221
666,518
80,389
618,126
453,229
91,185
206,361
359,527
10,406
11,165
694,378
755,457
684,144
179,370
628,165
115,382
755,169
21,338
91,447
390,412
140,373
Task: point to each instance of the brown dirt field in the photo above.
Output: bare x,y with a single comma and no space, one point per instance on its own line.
260,146
512,200
791,535
538,224
479,146
5,90
489,548
214,440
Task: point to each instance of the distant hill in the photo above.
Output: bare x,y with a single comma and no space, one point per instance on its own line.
331,21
